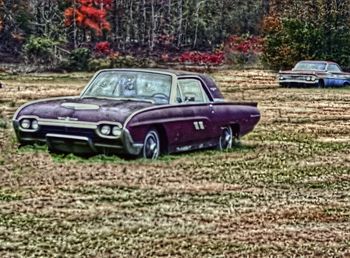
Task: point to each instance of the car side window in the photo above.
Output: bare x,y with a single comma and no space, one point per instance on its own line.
334,68
191,90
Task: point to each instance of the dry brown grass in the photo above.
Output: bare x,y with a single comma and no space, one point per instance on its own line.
284,192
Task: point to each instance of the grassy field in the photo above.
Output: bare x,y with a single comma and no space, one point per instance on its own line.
284,192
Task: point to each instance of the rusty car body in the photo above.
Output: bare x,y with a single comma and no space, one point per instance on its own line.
138,112
314,74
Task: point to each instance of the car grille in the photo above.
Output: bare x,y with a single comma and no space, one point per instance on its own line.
90,133
298,77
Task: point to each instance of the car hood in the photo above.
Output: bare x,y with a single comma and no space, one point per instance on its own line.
88,109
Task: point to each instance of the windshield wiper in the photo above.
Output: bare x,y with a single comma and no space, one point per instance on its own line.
137,100
118,98
88,97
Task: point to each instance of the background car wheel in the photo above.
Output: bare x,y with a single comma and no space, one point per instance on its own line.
226,138
321,84
151,145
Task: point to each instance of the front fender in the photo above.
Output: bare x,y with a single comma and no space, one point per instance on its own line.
129,144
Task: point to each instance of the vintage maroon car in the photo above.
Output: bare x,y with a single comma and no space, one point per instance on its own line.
137,112
315,74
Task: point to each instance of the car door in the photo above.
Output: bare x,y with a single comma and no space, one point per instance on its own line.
195,127
336,77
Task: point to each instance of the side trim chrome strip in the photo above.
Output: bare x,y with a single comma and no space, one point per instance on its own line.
254,116
172,120
131,116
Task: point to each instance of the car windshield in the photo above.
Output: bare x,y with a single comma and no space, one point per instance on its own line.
310,66
131,85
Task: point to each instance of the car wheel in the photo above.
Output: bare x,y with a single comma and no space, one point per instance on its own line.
321,84
226,138
151,145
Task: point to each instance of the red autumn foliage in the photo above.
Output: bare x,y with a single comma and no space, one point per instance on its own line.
90,14
195,57
243,49
103,48
244,44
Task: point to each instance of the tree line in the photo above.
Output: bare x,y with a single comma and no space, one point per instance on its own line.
192,24
308,29
295,29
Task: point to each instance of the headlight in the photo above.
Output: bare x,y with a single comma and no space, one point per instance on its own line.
313,78
25,123
281,78
105,130
309,78
29,124
116,131
35,124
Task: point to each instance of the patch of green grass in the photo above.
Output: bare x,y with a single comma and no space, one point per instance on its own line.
35,148
8,196
115,159
4,123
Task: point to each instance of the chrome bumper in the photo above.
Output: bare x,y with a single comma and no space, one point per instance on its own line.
291,81
80,144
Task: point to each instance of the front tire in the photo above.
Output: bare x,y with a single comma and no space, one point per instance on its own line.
151,145
226,138
321,84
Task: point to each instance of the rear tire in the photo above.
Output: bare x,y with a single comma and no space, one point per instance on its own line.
226,138
151,145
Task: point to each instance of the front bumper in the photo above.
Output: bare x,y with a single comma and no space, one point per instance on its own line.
78,140
298,83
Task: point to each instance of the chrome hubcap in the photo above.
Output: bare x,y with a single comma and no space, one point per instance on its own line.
151,149
152,145
226,139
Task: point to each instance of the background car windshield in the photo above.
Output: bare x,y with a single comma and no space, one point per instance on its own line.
310,66
131,85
